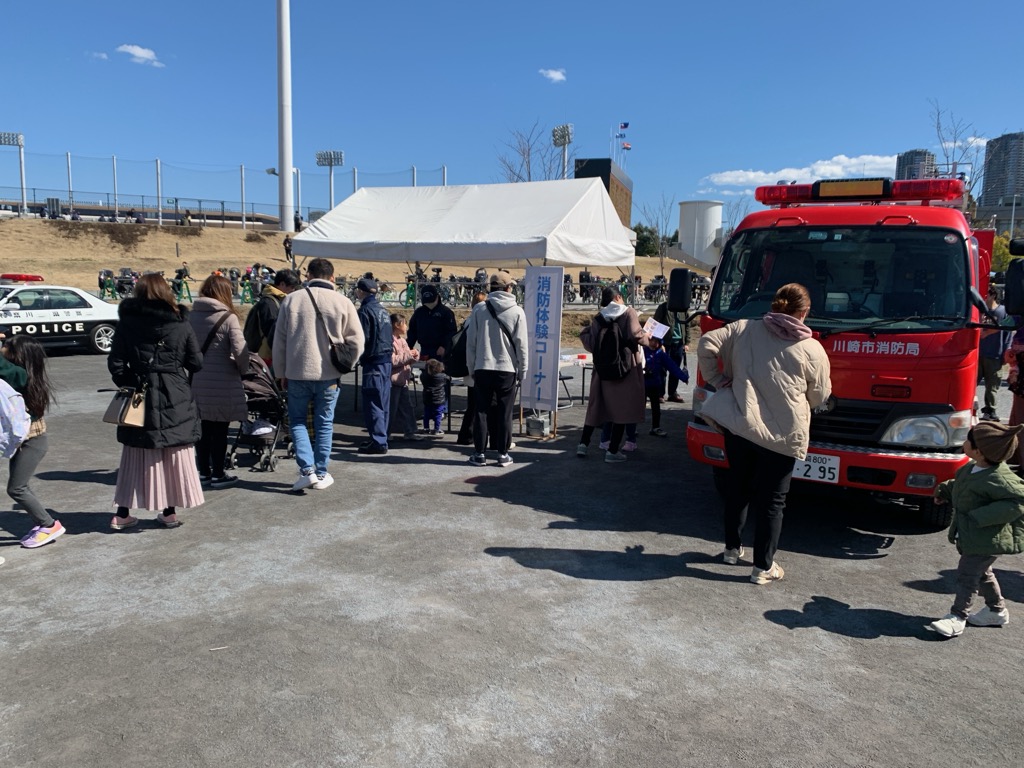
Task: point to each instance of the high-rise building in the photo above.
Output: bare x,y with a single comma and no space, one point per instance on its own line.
915,164
1004,171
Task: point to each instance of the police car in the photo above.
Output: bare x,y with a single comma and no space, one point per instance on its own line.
55,315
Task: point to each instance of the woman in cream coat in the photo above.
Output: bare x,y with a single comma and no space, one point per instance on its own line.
768,374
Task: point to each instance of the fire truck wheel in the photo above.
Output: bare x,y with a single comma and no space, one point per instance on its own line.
721,478
937,515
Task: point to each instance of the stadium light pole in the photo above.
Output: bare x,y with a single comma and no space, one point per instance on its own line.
284,113
330,158
18,140
561,136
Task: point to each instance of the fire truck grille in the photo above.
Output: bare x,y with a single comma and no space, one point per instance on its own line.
864,421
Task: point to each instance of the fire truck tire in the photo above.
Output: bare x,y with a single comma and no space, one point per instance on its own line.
936,515
721,479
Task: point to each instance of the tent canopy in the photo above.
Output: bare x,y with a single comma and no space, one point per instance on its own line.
567,222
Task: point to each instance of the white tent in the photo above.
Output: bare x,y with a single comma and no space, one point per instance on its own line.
566,222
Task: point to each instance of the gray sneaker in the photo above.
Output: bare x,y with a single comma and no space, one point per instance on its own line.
986,617
478,460
581,450
949,625
732,556
775,573
614,458
504,460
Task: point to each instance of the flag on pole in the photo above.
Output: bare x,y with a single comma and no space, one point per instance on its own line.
620,135
626,146
623,126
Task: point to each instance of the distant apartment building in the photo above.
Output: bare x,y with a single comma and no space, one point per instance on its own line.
1002,193
915,164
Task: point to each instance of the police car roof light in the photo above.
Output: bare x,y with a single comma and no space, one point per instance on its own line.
20,277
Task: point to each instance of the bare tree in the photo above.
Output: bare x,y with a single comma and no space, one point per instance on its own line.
961,146
532,157
661,218
735,211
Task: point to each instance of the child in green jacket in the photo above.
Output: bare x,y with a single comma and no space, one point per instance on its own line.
988,521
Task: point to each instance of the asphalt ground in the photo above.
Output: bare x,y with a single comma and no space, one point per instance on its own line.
424,612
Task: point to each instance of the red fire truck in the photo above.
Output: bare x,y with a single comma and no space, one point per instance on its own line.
896,277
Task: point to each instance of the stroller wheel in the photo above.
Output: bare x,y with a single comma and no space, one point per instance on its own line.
273,464
231,461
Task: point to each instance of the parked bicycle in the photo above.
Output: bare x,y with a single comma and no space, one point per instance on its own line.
568,290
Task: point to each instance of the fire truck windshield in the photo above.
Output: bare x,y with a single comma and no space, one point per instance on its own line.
909,278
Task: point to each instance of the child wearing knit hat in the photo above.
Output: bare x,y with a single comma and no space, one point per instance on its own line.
988,521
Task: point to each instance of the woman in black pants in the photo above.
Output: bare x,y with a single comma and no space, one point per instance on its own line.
218,387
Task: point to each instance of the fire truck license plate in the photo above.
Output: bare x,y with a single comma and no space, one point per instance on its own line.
817,467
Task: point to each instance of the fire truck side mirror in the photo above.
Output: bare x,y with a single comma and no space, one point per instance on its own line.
680,288
1013,293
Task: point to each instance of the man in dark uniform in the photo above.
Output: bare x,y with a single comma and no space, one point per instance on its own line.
376,365
432,325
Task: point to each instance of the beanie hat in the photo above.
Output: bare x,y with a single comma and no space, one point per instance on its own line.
996,442
367,284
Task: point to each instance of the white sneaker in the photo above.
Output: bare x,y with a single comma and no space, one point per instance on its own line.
614,458
775,573
306,479
949,625
986,617
581,450
323,481
732,556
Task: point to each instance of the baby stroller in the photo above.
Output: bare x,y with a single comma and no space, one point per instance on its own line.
264,424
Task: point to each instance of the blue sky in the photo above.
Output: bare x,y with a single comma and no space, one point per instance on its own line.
718,96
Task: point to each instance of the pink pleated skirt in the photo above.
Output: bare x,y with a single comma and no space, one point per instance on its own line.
157,478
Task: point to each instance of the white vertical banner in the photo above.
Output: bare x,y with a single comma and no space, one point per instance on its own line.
543,306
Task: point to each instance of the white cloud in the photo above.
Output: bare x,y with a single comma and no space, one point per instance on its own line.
554,75
140,55
99,55
838,167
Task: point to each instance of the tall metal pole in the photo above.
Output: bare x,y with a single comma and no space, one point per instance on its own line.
284,114
71,196
298,191
444,175
565,161
159,196
414,175
114,160
355,180
1013,215
21,164
330,173
241,170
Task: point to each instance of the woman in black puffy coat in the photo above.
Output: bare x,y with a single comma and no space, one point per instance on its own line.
154,347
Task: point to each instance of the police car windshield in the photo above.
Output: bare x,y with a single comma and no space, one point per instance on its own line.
5,291
886,278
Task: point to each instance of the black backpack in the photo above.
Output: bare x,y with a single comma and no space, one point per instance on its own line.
455,356
613,359
253,332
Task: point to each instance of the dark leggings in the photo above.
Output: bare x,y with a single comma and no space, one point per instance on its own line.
212,448
654,398
616,439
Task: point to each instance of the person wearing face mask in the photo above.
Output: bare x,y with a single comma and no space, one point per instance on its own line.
432,325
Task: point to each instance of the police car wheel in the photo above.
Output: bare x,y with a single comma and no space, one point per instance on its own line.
101,339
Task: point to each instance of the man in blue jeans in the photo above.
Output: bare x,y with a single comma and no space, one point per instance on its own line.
376,365
309,320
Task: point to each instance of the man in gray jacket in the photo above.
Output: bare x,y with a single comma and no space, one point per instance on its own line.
496,354
302,358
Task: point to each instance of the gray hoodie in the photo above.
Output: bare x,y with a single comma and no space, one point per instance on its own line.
487,346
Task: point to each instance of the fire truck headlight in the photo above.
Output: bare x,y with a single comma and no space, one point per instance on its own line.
944,431
699,396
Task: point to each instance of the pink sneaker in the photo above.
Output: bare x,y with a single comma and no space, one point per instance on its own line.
629,445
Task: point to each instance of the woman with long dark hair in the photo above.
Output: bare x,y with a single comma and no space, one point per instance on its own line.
768,374
154,349
218,387
26,352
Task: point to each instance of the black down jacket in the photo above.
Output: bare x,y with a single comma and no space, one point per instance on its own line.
156,347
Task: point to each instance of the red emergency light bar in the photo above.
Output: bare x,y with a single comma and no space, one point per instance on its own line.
861,190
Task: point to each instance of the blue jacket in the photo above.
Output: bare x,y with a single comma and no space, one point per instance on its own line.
657,365
376,324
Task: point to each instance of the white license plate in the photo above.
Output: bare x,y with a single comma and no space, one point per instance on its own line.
817,467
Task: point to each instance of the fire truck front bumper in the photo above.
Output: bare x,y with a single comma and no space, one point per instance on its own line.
899,472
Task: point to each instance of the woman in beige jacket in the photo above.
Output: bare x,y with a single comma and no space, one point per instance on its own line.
768,374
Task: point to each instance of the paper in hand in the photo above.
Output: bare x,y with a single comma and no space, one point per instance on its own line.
656,329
